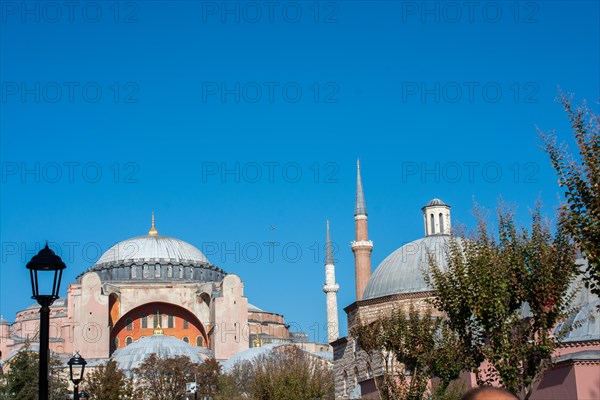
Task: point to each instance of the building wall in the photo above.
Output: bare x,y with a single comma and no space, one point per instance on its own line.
174,321
230,333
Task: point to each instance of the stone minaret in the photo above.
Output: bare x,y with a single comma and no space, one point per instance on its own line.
362,246
331,288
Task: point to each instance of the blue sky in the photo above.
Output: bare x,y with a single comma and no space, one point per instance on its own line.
110,111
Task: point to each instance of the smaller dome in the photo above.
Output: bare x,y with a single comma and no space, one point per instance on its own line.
133,355
3,321
403,270
436,202
585,324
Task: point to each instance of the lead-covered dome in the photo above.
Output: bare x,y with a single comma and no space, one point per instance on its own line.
157,258
148,248
133,355
403,270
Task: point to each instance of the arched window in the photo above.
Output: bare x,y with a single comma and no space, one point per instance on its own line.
129,323
170,271
128,340
116,343
432,224
185,339
199,341
355,376
157,271
133,272
441,223
144,322
180,272
170,322
186,324
345,382
369,371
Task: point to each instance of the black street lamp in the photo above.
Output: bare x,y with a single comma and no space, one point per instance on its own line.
76,367
45,261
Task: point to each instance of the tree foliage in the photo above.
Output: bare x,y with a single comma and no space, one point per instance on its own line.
164,378
21,379
504,295
412,348
107,382
581,180
286,373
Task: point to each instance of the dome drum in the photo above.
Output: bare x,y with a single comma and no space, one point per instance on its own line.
158,270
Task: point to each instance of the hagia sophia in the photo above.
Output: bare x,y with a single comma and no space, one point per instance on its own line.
153,294
158,294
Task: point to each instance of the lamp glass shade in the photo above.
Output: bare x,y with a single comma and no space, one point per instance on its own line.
76,367
46,262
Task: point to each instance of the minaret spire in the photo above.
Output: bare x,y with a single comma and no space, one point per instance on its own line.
362,246
152,231
329,248
361,206
331,288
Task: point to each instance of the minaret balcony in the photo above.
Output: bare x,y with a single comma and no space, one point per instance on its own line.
358,244
331,288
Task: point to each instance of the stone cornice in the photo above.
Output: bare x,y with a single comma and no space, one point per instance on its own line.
387,299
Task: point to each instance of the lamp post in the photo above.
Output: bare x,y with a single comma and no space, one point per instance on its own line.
45,261
83,395
76,367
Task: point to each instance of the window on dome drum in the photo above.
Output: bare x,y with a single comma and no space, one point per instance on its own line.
133,272
129,323
170,271
157,271
432,224
441,223
170,322
186,324
128,340
144,322
180,272
199,341
185,339
116,342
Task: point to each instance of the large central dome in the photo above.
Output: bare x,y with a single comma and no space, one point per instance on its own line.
151,248
158,258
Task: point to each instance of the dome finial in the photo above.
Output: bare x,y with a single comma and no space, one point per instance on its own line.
152,231
158,330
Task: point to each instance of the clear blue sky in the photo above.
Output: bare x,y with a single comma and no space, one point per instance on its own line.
120,110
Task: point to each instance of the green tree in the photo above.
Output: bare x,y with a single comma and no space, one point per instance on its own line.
207,378
21,377
165,378
107,382
504,295
286,373
581,180
411,348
